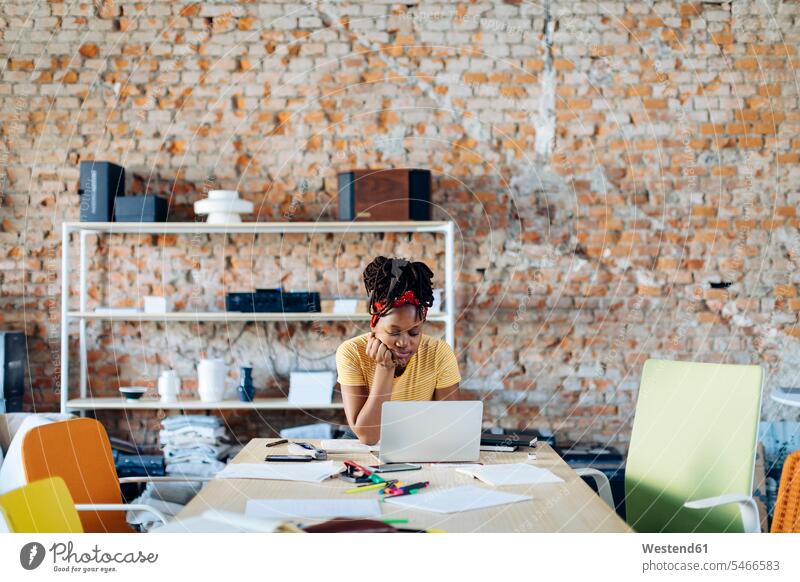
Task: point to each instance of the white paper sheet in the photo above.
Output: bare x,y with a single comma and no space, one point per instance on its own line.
311,508
218,521
512,474
313,471
345,305
334,446
311,387
465,498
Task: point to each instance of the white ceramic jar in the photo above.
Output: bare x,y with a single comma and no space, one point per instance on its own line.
211,379
169,386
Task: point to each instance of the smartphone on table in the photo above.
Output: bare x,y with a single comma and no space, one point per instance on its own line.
394,467
289,458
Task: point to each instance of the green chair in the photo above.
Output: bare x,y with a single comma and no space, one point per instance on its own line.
693,448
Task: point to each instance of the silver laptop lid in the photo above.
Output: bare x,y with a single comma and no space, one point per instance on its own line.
445,431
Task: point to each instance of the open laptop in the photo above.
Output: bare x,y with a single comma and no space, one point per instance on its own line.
441,431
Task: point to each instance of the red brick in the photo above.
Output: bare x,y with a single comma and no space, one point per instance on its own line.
89,51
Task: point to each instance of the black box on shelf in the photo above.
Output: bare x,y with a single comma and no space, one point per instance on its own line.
14,360
273,301
100,184
296,301
147,208
398,194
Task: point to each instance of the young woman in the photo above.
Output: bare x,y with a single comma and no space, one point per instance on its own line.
395,360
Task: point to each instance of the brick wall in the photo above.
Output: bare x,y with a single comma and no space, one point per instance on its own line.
608,165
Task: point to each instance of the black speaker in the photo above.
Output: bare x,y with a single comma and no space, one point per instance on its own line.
13,359
385,195
101,183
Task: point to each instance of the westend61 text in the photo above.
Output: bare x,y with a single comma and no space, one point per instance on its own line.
672,549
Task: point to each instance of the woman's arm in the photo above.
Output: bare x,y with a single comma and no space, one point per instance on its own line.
449,393
363,406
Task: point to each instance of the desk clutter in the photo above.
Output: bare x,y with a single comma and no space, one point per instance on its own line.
350,490
403,489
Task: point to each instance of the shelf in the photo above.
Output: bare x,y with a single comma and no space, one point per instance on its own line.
448,318
202,316
257,227
153,404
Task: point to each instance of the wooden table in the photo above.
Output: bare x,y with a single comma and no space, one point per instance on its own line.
571,506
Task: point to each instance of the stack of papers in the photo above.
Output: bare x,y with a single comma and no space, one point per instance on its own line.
511,474
282,509
466,498
312,471
347,446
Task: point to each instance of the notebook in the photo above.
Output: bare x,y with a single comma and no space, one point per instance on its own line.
347,446
465,498
511,474
313,471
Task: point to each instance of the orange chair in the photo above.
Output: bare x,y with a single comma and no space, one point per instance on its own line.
786,518
78,451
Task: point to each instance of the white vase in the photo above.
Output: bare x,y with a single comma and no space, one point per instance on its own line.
223,207
211,379
169,385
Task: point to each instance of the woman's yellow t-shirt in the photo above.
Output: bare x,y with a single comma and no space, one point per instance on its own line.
433,366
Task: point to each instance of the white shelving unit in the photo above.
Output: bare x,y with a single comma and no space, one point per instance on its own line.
78,404
82,315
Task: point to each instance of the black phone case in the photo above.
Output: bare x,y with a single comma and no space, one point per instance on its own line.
379,471
289,458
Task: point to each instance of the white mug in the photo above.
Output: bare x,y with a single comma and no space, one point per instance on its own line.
211,379
169,385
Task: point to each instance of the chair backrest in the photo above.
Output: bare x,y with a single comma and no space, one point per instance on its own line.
43,506
78,451
694,436
13,428
786,518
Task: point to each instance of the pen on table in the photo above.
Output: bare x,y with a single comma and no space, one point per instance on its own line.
278,442
369,487
408,490
419,485
399,488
